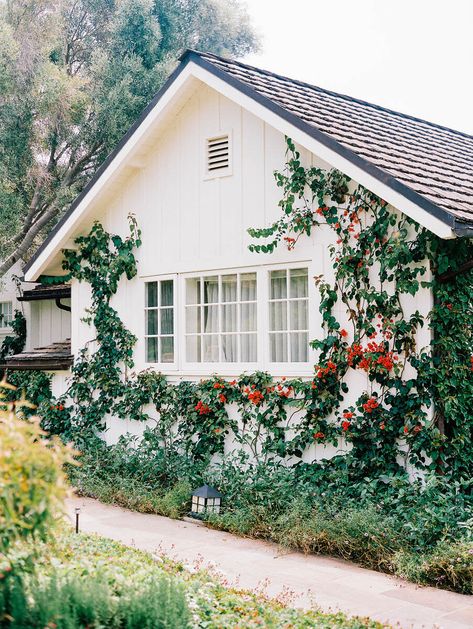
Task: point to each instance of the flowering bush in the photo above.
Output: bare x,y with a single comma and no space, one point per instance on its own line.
32,482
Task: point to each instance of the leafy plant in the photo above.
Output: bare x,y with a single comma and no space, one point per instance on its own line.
32,482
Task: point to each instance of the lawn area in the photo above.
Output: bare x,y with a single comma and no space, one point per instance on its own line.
90,559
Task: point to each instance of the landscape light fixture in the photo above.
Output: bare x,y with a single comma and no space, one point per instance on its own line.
205,500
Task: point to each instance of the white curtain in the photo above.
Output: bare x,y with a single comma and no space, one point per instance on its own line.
278,317
229,307
288,312
210,353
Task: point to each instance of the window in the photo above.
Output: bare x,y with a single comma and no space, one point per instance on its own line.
159,323
288,316
6,314
221,318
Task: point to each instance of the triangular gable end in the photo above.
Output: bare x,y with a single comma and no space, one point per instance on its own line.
194,67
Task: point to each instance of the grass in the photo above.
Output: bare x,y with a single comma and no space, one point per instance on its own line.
213,604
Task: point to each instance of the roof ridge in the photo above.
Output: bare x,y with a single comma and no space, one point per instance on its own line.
360,101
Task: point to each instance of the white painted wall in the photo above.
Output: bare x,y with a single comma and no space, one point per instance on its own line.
190,223
8,293
48,323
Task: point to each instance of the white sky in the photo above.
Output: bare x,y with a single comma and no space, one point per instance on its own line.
413,56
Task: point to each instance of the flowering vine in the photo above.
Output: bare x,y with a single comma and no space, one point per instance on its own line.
380,258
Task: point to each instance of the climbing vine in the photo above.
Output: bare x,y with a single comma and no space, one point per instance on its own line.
381,259
378,257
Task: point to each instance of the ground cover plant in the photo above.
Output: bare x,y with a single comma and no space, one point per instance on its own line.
87,580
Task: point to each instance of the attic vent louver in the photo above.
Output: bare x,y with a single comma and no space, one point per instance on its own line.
218,155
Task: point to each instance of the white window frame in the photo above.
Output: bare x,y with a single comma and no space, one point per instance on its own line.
288,366
262,309
7,326
220,367
171,366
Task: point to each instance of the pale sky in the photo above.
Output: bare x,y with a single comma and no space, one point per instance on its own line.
413,56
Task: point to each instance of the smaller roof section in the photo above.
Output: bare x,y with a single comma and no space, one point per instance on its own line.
54,357
46,291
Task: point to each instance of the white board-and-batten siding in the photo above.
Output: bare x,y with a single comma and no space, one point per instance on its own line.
192,223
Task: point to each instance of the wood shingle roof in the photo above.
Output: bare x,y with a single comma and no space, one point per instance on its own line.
434,161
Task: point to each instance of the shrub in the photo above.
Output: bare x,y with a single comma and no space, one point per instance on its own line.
77,603
32,483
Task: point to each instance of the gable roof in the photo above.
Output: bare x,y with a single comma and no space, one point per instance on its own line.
434,161
428,165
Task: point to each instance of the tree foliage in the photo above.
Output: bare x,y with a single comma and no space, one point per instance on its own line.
74,75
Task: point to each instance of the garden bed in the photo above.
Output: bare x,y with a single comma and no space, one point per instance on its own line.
418,532
91,568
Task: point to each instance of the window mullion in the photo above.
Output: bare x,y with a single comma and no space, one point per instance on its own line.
238,321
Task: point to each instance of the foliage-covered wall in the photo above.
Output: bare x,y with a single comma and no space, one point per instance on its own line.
418,406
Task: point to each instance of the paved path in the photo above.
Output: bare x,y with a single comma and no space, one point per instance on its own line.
253,564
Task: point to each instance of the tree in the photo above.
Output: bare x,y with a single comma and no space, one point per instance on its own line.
74,75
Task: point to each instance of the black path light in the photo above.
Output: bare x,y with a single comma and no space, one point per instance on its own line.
205,500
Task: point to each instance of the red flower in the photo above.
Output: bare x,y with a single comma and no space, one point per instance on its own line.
346,425
319,435
255,397
348,415
222,398
370,405
343,333
382,425
406,430
449,306
202,408
218,385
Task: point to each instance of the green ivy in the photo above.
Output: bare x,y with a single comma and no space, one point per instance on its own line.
374,250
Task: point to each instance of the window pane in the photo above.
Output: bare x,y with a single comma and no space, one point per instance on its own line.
229,318
151,322
167,293
278,315
248,317
211,290
229,348
193,291
248,286
151,294
193,319
299,281
249,348
211,319
278,285
299,347
167,349
210,348
193,352
229,288
167,321
298,310
152,350
278,348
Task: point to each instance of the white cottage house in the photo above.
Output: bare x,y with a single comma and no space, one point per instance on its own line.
197,170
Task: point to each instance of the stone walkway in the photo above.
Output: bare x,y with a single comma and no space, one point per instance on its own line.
250,564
